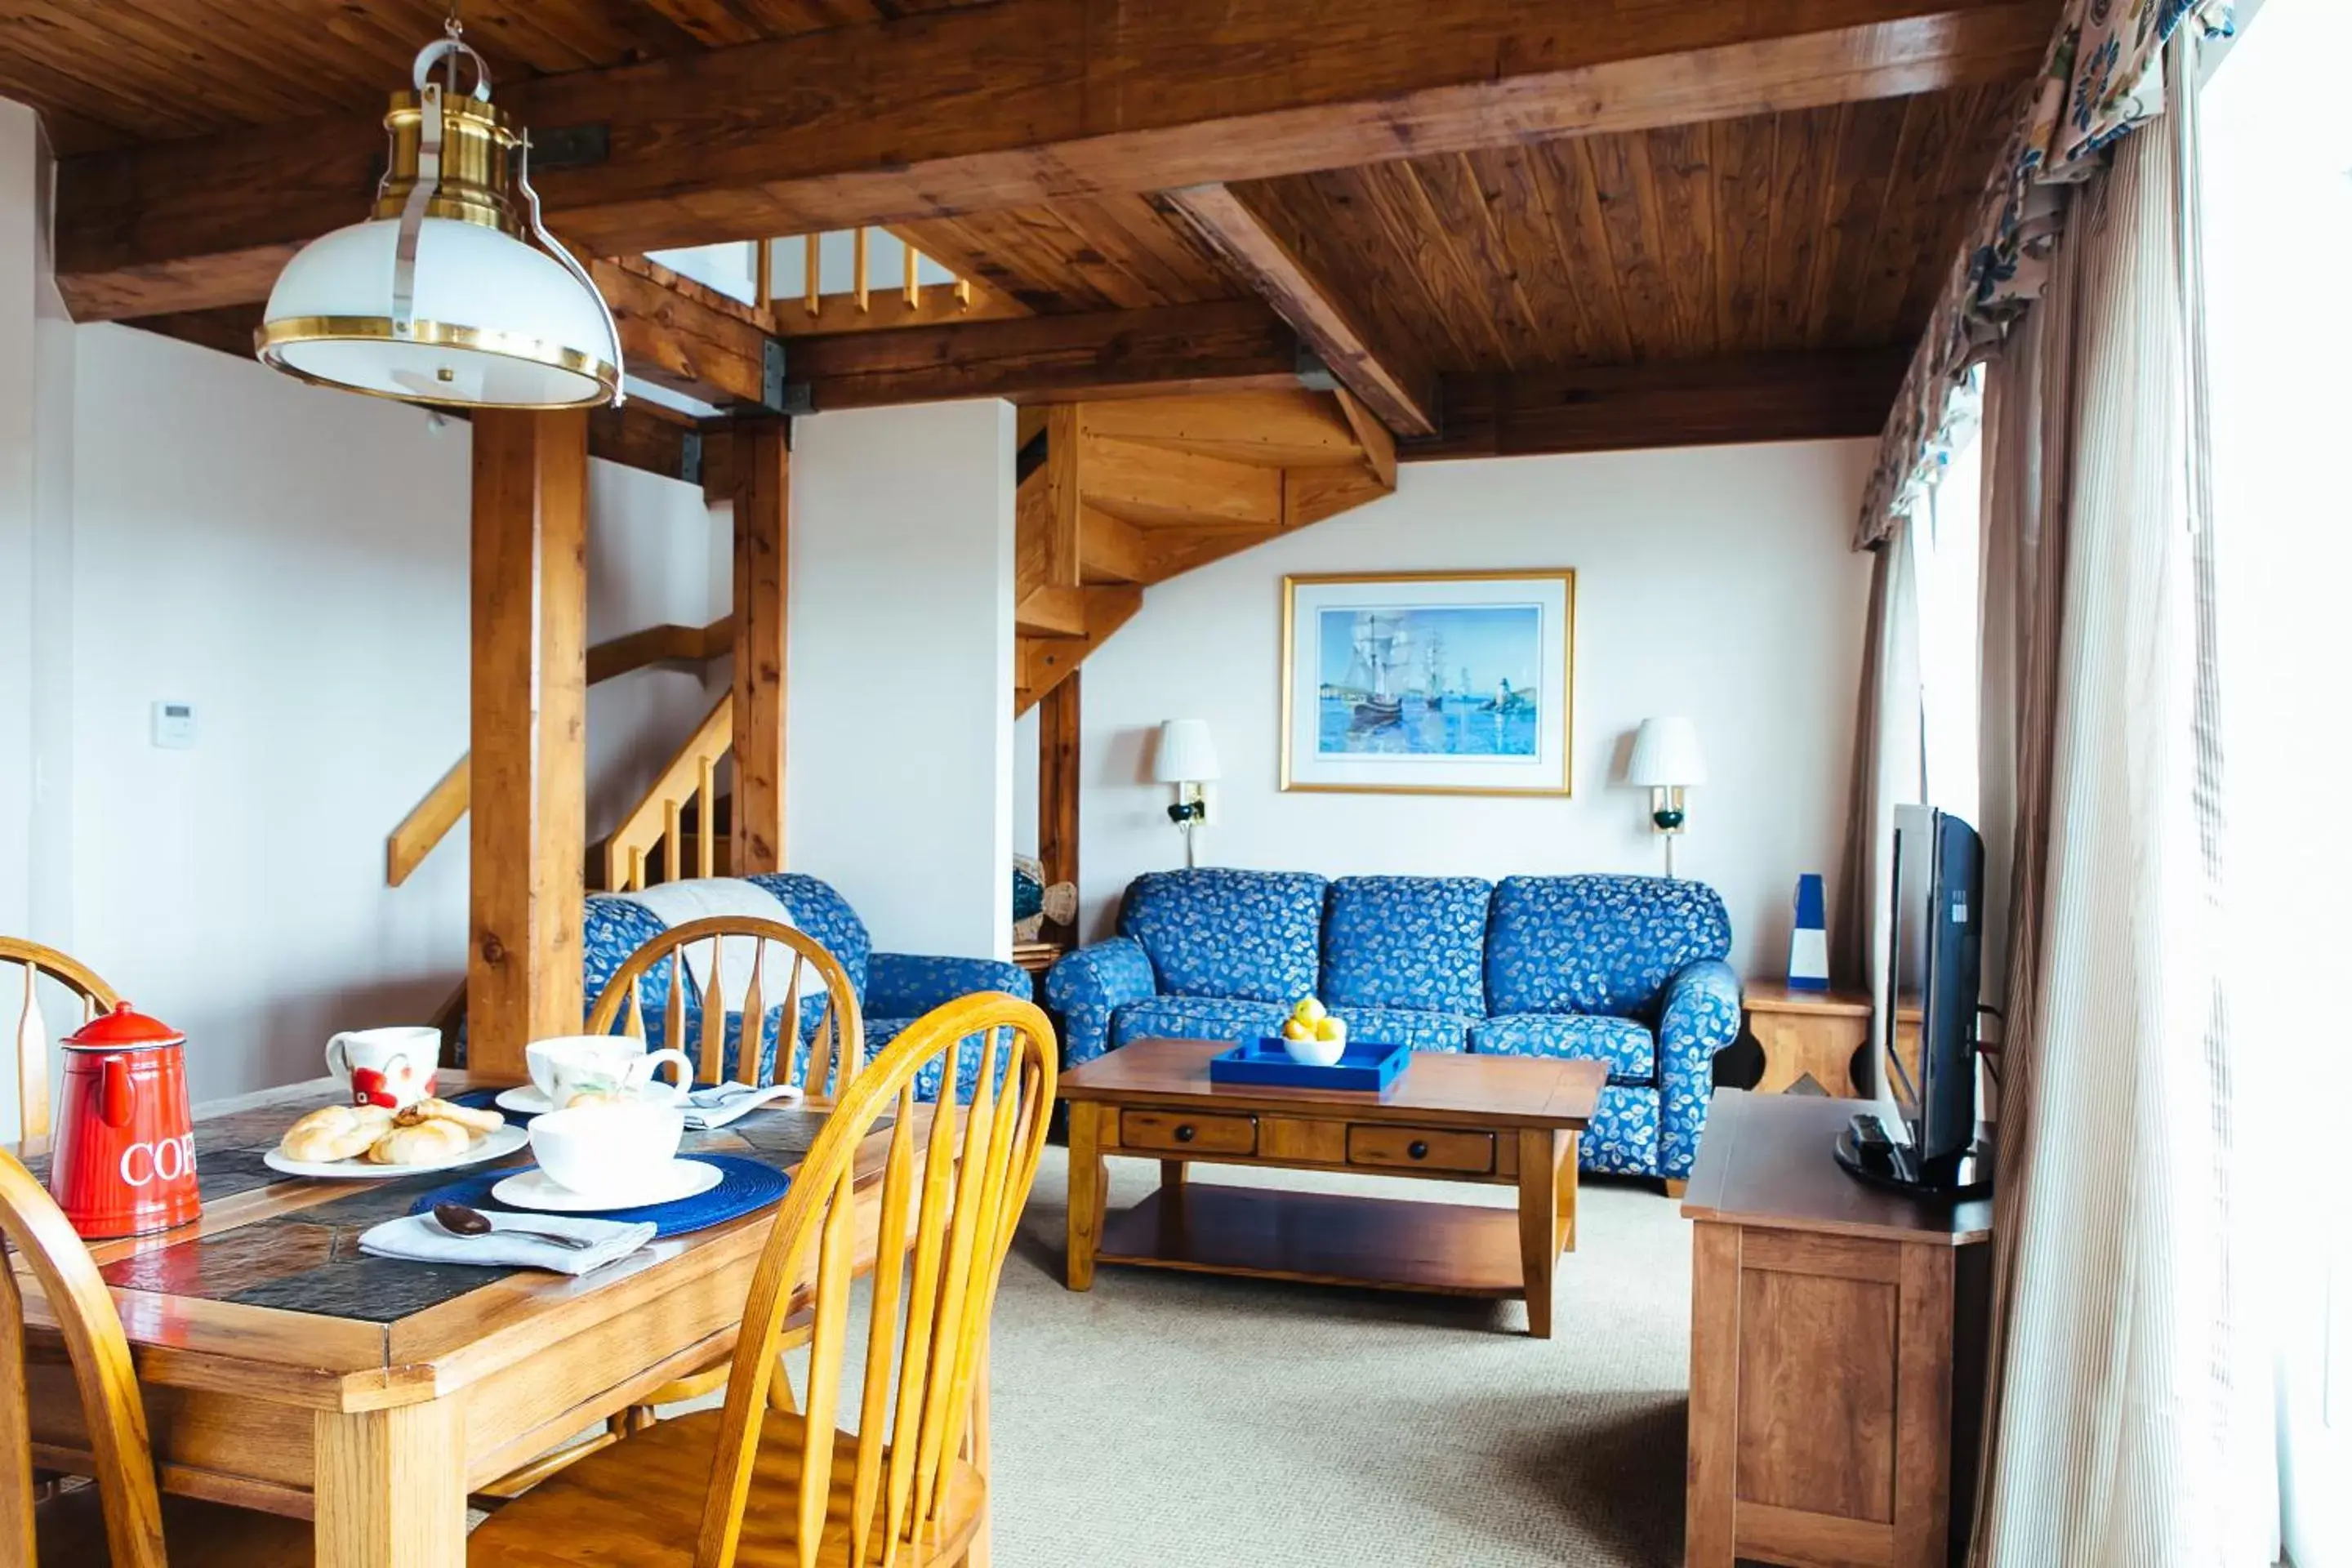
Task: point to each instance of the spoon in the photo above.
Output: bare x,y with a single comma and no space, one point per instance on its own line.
459,1220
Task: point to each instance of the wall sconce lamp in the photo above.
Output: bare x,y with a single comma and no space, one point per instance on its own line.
1667,760
1187,759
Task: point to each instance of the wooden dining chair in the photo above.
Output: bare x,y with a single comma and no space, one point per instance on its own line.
121,1522
837,1046
31,1033
753,1487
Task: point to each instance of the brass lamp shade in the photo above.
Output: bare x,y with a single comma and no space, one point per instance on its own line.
440,297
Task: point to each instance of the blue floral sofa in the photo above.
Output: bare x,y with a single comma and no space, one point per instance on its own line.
893,988
1628,971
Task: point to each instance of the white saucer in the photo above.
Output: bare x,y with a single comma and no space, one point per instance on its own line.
537,1190
489,1146
524,1100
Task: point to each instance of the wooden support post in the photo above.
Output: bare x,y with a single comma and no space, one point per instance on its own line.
1057,784
763,536
529,767
1062,494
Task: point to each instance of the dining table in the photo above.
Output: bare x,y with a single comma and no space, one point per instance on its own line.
286,1370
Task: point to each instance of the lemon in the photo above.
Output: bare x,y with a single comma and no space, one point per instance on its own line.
1310,1010
1331,1028
1297,1029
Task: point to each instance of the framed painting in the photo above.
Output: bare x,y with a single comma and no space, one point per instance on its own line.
1428,682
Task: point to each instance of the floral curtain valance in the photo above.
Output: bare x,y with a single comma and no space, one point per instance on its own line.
2102,76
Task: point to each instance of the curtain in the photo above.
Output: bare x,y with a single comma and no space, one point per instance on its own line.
2116,1407
2100,79
1887,765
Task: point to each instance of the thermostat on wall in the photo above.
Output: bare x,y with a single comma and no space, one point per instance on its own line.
173,724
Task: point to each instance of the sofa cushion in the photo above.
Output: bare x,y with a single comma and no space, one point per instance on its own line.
1410,1026
1630,1049
1596,945
1248,935
1406,942
1196,1018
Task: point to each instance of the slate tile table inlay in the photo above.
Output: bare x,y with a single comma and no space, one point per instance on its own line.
284,1367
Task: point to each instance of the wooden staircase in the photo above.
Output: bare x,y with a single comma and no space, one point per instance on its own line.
1121,494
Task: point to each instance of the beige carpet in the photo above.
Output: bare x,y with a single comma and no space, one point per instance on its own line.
1167,1420
1180,1421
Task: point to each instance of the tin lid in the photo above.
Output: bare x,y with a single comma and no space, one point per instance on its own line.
122,1030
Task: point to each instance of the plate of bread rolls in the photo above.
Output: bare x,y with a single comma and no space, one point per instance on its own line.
370,1143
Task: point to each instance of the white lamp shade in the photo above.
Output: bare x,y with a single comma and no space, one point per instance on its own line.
1667,754
497,323
1187,754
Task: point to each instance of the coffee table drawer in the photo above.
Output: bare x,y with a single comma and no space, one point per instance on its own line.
1174,1132
1420,1149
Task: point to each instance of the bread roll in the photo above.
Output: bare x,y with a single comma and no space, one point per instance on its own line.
336,1132
426,1143
476,1121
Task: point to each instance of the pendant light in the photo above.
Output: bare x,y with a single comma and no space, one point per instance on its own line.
439,297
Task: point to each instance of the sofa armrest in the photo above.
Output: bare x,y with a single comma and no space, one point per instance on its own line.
1090,984
1699,1016
908,985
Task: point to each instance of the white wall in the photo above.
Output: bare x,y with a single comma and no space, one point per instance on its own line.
1714,583
294,563
900,767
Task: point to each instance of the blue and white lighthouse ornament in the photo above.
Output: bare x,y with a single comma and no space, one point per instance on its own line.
1808,942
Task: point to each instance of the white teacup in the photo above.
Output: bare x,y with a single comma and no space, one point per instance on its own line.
605,1066
390,1067
617,1150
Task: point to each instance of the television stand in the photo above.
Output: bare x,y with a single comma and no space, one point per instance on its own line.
1837,1351
1869,1155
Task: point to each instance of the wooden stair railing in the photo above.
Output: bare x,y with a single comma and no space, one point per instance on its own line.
862,306
448,800
658,819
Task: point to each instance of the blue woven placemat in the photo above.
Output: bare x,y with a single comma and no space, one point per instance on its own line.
745,1187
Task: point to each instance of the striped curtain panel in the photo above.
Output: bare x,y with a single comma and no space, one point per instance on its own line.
2117,1414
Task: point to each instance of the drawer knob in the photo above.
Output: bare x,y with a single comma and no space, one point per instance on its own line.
1417,1149
1184,1133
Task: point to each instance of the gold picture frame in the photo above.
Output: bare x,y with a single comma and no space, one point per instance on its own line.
1465,773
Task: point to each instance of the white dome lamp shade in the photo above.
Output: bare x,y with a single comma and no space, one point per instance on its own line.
439,297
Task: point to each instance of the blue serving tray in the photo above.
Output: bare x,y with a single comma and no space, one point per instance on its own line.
1368,1066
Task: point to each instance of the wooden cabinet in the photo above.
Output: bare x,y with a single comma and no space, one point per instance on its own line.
1836,1351
1806,1034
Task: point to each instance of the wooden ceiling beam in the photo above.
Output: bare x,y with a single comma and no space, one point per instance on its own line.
1793,396
1231,345
682,335
1274,256
1024,102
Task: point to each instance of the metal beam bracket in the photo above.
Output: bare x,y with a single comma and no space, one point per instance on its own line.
1313,373
772,390
796,397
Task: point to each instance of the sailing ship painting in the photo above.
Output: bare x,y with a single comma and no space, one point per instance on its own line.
1429,681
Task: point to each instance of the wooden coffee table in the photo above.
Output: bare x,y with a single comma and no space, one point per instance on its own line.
1499,1120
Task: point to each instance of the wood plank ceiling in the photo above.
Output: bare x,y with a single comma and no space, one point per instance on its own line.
150,70
1816,228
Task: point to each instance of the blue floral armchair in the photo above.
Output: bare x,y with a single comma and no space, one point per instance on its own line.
1628,971
894,988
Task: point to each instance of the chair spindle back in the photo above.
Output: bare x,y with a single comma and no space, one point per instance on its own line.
31,1033
953,1182
34,1225
836,1051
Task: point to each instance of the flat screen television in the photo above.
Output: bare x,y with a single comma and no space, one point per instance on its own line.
1925,1038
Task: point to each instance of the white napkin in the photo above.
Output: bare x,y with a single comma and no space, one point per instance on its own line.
420,1238
699,898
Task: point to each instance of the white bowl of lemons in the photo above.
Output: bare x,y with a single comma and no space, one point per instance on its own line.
1312,1035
